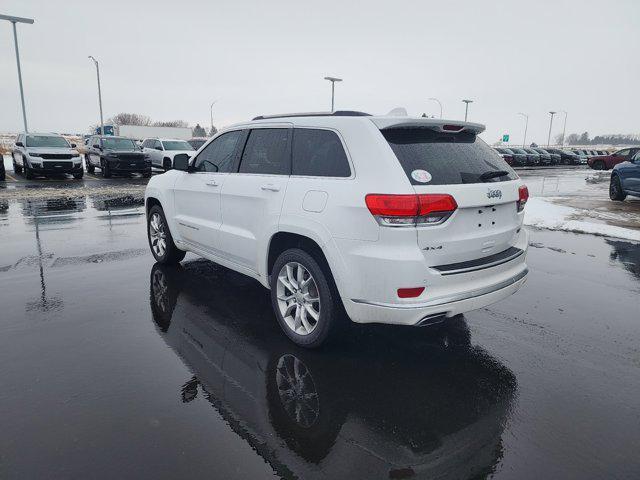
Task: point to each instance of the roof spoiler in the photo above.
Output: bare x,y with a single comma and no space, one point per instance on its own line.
436,124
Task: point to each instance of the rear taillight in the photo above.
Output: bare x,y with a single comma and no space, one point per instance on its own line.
410,292
523,196
411,210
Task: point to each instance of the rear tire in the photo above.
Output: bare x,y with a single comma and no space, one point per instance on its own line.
305,302
599,166
160,239
616,193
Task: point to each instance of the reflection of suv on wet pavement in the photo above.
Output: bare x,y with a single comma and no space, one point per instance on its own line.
118,155
45,154
392,404
395,219
625,179
162,150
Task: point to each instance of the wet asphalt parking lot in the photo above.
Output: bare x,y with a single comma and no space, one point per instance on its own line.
113,367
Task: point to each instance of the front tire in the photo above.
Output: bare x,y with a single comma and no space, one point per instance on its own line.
599,166
303,299
78,176
106,170
160,239
28,173
616,193
16,168
90,168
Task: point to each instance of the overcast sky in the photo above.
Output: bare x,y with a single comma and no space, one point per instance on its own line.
170,60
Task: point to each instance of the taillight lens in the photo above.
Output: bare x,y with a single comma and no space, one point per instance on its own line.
523,196
411,210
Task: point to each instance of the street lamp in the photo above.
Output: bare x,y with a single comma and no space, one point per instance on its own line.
99,94
526,124
550,125
564,127
436,100
13,21
466,108
333,81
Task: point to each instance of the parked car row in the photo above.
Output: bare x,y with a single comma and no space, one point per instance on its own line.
45,154
530,156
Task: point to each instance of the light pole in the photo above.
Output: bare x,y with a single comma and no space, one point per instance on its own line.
333,81
466,108
526,124
99,95
550,125
440,104
564,127
13,21
211,112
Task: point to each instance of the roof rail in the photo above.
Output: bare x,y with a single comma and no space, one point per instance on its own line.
337,113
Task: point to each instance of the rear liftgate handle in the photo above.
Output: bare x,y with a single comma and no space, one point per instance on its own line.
212,183
271,187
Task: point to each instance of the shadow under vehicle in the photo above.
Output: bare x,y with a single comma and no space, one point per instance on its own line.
384,403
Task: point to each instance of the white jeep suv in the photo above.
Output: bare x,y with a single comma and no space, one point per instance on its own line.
162,150
396,220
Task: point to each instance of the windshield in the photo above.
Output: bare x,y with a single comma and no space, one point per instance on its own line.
518,150
119,144
47,141
176,145
445,158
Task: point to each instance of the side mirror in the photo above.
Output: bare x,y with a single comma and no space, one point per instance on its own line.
19,144
97,147
158,148
181,162
73,145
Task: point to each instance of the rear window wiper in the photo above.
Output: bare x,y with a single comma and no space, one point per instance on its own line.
493,174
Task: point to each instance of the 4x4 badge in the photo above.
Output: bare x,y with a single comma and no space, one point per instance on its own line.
494,194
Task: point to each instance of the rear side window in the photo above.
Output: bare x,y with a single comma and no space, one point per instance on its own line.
449,158
219,154
319,153
267,152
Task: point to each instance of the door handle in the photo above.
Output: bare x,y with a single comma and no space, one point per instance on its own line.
212,183
271,187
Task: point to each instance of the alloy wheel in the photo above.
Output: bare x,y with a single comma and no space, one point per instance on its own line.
298,298
158,235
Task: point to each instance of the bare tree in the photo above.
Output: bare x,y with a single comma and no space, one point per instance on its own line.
171,123
130,119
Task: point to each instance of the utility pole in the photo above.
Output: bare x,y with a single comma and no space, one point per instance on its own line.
13,21
440,104
550,125
564,127
333,81
526,124
99,94
466,108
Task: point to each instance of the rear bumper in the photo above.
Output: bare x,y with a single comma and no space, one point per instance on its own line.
373,274
363,311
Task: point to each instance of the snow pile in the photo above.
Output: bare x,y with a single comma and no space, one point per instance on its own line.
542,213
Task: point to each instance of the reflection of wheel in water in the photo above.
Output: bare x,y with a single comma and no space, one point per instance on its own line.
297,391
159,291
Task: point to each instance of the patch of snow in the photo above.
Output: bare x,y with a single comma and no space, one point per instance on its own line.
543,213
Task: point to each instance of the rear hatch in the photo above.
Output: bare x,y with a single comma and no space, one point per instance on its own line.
454,161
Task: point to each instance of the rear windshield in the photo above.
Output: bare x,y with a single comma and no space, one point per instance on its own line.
448,158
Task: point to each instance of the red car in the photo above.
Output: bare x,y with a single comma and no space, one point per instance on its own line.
606,162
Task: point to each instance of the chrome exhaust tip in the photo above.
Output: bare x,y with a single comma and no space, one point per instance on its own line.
433,319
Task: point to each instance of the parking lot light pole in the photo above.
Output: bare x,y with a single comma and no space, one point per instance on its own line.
333,81
526,124
466,108
564,127
440,104
13,21
99,94
550,125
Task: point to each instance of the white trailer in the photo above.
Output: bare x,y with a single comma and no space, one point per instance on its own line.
139,132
